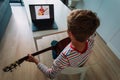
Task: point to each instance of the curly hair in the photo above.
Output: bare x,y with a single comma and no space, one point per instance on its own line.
82,23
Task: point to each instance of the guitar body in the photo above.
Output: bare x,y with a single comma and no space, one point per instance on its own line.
61,45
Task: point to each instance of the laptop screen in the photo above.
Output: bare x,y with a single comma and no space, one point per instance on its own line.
42,11
42,16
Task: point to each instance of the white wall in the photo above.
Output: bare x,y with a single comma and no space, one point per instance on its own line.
109,14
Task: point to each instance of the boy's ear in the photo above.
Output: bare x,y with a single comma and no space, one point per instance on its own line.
69,33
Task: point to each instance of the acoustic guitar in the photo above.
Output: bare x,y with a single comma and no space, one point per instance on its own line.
57,48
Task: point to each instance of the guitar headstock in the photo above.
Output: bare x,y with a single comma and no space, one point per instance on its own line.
11,66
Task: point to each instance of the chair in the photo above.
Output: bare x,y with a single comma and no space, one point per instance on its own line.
75,70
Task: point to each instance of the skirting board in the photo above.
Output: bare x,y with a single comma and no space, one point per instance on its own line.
115,51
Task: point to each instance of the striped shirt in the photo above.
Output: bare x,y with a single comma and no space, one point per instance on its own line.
68,57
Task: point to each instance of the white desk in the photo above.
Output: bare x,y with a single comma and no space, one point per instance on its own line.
60,13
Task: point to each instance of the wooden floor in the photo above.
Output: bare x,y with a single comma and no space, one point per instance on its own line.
18,42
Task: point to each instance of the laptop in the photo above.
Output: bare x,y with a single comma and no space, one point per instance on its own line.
42,16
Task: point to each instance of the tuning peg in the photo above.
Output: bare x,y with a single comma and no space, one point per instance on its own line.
11,70
15,68
6,69
15,65
12,66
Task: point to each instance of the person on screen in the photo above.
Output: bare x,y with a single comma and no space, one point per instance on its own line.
82,25
41,11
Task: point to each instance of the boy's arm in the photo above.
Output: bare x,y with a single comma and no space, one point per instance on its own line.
91,40
92,36
59,63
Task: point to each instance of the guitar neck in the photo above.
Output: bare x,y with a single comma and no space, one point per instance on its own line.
18,62
34,54
41,51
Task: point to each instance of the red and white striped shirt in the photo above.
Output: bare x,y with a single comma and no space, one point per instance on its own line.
68,57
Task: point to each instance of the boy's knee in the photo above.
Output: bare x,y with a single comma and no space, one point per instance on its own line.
54,42
54,54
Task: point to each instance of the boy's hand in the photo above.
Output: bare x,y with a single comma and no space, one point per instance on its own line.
32,59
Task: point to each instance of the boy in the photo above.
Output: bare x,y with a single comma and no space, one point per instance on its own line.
82,25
